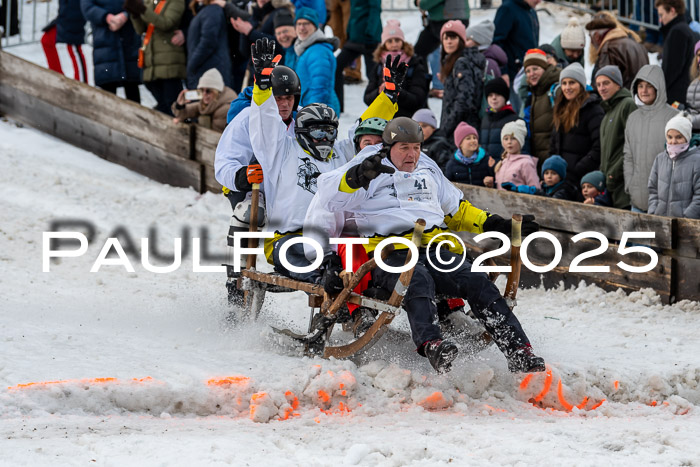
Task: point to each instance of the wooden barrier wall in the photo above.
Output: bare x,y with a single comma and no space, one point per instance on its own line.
149,143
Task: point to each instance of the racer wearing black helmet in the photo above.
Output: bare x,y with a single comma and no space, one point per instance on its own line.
285,82
316,129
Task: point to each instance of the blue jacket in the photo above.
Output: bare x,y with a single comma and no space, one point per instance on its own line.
239,103
472,174
115,54
318,5
207,46
316,70
517,30
70,24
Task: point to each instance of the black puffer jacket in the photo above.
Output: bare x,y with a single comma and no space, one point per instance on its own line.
414,93
464,89
438,148
471,174
580,147
678,54
491,126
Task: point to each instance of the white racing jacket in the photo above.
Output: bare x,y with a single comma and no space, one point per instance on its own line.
234,149
290,173
393,202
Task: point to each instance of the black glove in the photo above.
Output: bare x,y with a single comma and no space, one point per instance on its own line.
134,7
360,175
262,53
394,74
331,267
498,224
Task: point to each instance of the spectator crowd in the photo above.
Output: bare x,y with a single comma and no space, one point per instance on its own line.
516,114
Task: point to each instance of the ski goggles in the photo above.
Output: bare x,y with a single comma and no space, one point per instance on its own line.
319,134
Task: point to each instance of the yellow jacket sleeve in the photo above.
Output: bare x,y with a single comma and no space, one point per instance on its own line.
381,107
260,96
467,218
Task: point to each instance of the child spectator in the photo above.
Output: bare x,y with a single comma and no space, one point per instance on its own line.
414,92
593,189
498,113
211,110
481,36
68,28
462,72
674,183
469,163
435,144
514,167
555,185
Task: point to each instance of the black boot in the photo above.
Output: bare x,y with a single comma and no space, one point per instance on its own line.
524,361
363,319
440,354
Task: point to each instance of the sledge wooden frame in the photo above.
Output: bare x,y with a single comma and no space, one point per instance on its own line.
256,284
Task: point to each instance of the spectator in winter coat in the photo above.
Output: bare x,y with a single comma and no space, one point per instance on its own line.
614,44
514,167
679,41
541,78
211,110
554,182
674,183
618,105
261,23
517,31
462,72
570,43
593,189
498,113
285,35
364,36
481,36
68,28
576,118
207,43
644,136
414,93
115,47
439,12
692,102
316,64
164,63
469,164
435,144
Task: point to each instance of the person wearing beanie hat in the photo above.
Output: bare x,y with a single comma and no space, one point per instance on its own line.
498,113
557,165
593,189
481,34
517,30
576,119
427,117
614,44
462,73
514,167
211,109
540,77
674,182
570,43
618,104
644,133
552,57
308,14
469,163
364,36
414,95
613,72
285,35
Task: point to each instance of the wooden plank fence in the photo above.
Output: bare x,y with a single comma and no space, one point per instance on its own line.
182,155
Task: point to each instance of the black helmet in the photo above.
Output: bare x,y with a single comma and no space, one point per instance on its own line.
285,82
402,130
316,128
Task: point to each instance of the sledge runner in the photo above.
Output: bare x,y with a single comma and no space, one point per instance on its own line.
386,189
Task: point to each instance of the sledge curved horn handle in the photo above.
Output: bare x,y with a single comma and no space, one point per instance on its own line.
515,260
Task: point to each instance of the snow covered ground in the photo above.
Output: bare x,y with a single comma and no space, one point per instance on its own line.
190,390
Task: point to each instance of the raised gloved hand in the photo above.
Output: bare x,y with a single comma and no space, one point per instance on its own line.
262,53
246,176
498,224
526,189
394,74
134,7
361,174
331,267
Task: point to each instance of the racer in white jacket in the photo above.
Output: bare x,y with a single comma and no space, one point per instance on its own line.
291,165
387,189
